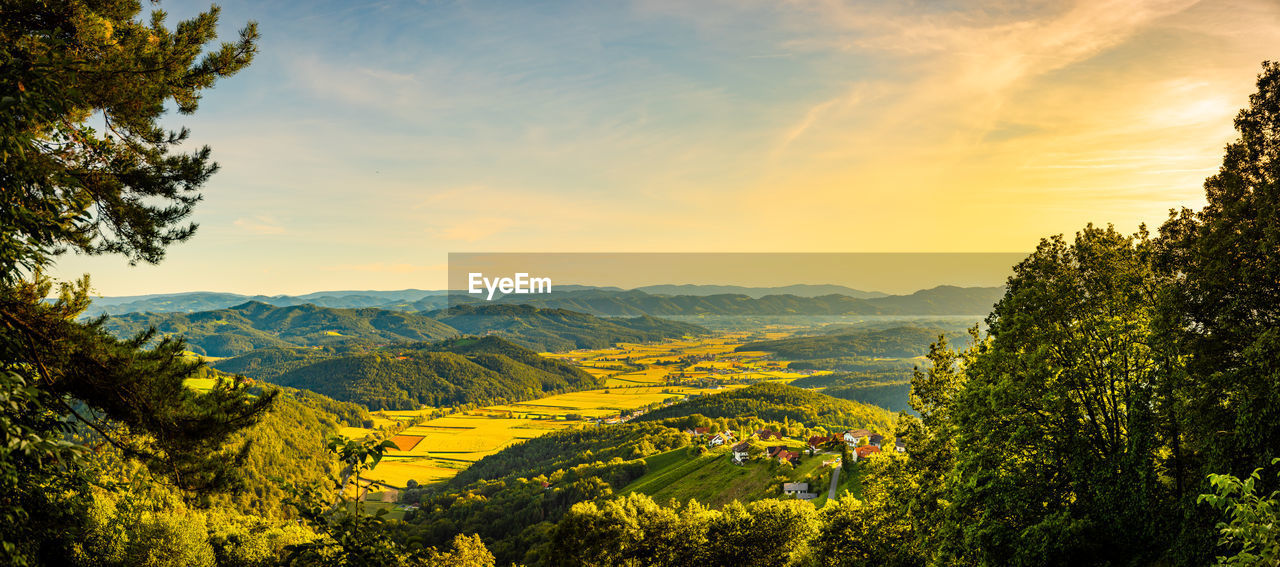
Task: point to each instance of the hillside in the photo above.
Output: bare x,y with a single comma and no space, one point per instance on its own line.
548,330
799,290
254,325
463,371
191,302
943,300
287,447
771,401
899,342
887,388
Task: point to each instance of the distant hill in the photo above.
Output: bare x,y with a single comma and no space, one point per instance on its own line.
255,325
798,290
191,302
771,401
559,329
944,300
467,370
898,342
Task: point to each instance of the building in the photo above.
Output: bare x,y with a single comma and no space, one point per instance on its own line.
794,487
854,437
720,438
765,435
864,452
740,452
875,439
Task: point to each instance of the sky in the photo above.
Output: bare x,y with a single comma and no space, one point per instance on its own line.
369,140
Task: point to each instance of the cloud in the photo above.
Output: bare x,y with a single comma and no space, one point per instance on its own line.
260,224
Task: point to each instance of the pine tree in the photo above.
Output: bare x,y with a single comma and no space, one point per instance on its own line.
85,166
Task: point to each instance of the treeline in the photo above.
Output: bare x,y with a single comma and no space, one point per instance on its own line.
942,300
468,370
254,326
900,342
888,388
775,402
549,330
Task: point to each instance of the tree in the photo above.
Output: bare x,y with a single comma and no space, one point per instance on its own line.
1253,519
1061,400
1224,314
84,166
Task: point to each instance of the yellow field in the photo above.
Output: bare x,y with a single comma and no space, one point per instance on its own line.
451,443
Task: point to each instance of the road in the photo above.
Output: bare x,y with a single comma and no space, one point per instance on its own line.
835,481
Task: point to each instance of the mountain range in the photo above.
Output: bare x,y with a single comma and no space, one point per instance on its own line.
653,300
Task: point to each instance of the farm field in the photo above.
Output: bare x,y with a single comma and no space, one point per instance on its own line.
637,376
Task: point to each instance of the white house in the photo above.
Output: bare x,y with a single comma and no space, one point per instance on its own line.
720,438
794,487
854,437
740,454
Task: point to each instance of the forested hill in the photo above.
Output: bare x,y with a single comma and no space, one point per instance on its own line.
468,370
943,300
253,325
899,342
559,329
771,401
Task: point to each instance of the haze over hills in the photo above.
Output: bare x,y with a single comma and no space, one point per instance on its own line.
254,326
604,301
190,302
942,300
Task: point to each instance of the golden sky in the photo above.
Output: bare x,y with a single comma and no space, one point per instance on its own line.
366,143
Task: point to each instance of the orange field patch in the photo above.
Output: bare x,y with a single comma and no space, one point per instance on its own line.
406,442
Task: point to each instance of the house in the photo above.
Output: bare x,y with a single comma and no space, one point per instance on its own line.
786,455
698,431
721,438
794,487
875,439
864,452
817,441
740,452
854,437
765,435
773,451
900,446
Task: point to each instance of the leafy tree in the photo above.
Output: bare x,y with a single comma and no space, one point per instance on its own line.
1060,401
1223,312
1254,521
67,183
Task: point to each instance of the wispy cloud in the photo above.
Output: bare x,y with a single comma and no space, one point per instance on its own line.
260,224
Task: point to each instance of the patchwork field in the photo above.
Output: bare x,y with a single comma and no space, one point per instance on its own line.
637,377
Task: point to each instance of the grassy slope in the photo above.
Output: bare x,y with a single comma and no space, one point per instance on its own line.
713,480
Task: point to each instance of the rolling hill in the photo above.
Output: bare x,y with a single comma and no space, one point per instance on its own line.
771,401
255,325
943,300
467,370
559,329
898,342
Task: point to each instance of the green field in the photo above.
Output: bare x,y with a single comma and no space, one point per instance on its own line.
714,480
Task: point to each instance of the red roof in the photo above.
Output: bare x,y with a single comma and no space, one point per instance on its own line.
866,451
701,430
